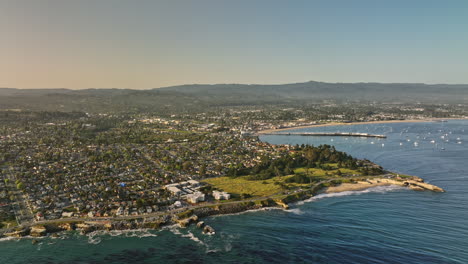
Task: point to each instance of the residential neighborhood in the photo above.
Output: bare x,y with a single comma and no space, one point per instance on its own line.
68,165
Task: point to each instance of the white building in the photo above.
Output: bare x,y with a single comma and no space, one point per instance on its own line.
221,195
120,211
185,187
193,183
174,190
67,214
196,197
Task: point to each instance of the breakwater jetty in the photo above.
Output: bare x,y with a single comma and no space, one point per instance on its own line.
325,134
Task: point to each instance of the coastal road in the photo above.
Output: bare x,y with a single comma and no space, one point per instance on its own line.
178,210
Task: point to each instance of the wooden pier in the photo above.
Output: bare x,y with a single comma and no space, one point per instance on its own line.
324,134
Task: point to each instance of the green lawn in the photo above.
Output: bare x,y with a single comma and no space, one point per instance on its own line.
315,172
402,175
241,185
255,188
263,188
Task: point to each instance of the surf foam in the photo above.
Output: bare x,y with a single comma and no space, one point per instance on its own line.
377,189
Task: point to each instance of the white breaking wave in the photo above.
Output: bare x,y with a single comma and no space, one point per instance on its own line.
295,211
95,237
192,237
8,239
132,233
61,235
377,189
176,231
249,211
20,238
173,228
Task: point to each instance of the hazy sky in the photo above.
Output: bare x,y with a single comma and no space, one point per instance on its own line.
147,44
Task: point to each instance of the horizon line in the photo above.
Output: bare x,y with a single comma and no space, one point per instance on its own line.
213,84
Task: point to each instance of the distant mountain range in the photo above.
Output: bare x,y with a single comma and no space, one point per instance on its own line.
195,96
338,91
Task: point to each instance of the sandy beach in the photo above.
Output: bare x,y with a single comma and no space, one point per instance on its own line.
354,186
417,185
357,123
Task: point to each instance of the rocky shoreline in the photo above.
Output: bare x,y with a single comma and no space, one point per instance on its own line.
193,216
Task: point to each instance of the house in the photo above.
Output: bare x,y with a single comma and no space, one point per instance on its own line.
39,216
120,211
67,214
149,209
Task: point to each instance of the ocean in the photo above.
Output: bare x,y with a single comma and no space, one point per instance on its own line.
379,225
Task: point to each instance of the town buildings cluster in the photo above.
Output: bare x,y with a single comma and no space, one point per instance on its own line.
59,170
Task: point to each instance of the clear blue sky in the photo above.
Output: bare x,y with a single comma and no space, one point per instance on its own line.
146,44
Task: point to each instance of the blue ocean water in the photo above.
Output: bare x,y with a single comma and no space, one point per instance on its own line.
379,225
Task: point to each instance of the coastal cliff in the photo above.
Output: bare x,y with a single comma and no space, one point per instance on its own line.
190,216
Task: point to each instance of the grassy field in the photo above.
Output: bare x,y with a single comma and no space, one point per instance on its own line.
255,188
315,172
241,185
402,175
262,188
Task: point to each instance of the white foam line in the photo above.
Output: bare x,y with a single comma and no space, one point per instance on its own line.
173,228
20,238
8,238
249,211
95,237
192,237
377,189
295,211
